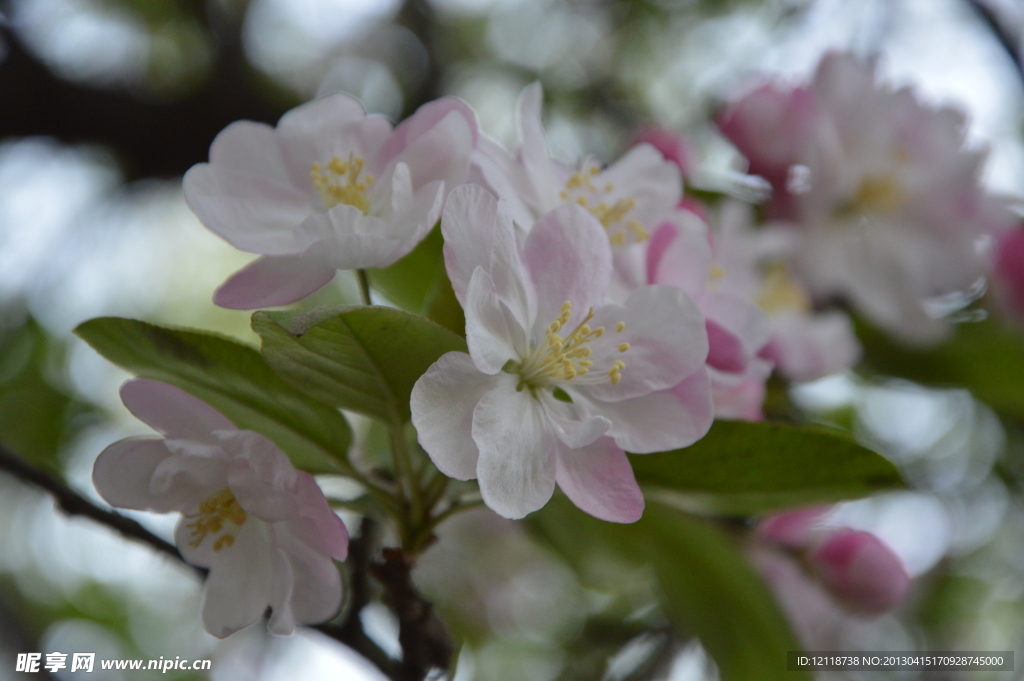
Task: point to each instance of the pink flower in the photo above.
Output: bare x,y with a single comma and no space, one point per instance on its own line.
883,194
263,529
329,188
556,383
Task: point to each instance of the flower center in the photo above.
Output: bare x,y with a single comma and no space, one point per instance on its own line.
213,516
581,189
559,359
339,182
780,293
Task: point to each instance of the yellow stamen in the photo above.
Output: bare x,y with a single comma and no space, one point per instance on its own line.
620,327
343,182
214,514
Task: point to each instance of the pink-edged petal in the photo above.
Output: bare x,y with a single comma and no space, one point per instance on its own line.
122,473
240,583
250,212
260,476
806,347
314,600
725,351
679,256
437,138
663,420
492,332
672,146
600,481
569,260
171,411
271,281
312,505
666,341
737,330
793,529
741,396
442,403
533,149
517,447
861,572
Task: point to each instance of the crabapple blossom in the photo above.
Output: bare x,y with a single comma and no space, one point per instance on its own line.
757,316
860,572
263,528
881,189
329,188
557,383
628,198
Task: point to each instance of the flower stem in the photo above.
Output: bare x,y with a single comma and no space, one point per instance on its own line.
364,286
405,473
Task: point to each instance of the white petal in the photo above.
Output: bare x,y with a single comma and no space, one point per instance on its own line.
282,617
667,419
345,239
253,148
172,411
478,232
667,342
260,476
442,403
240,583
517,447
271,281
493,334
599,480
122,473
573,425
569,260
250,212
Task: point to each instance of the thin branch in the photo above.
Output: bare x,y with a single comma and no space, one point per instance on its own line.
72,503
426,643
349,632
1012,44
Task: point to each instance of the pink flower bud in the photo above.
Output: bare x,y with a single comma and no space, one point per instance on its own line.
861,572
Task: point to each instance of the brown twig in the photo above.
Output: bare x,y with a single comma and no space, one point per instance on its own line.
72,503
425,641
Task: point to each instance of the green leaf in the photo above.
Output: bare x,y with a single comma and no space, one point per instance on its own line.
419,283
986,357
365,359
37,416
750,468
708,587
231,378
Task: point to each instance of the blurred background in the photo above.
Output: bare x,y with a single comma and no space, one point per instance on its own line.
104,104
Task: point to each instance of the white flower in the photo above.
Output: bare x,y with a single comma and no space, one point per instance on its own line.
629,198
263,529
329,188
884,195
556,383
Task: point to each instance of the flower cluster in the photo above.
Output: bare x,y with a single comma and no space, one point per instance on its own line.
605,311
